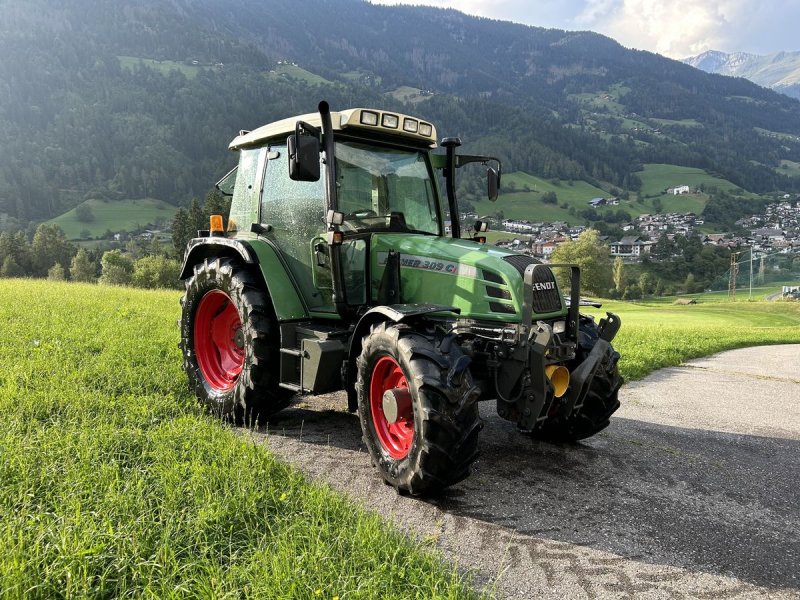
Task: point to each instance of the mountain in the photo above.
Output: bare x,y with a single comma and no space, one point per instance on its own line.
779,71
138,99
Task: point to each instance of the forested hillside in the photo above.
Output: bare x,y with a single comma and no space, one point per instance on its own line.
115,99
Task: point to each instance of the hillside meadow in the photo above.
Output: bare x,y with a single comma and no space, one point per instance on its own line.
522,193
113,482
114,215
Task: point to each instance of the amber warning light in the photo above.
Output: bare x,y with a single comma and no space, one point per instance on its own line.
215,225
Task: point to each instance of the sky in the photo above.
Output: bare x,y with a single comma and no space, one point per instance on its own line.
674,28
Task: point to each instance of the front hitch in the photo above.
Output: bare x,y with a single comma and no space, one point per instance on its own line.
581,377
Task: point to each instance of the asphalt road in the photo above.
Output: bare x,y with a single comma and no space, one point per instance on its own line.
693,491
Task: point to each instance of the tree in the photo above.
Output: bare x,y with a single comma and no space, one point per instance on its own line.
181,231
617,274
645,283
84,214
10,268
56,273
550,198
689,284
657,205
48,248
593,257
117,268
82,268
156,272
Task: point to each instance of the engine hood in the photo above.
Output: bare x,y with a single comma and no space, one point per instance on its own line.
485,282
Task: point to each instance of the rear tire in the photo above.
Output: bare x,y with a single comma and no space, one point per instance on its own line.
230,344
433,438
601,399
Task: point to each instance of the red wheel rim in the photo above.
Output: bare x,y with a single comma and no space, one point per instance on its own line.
216,328
395,437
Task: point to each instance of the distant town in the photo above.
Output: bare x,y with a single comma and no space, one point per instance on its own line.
777,229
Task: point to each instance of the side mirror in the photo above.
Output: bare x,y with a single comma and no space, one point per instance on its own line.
304,147
494,183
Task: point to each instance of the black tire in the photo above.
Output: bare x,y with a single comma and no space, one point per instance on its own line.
444,441
601,399
221,288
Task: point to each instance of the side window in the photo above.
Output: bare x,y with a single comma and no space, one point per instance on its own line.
295,210
292,206
244,206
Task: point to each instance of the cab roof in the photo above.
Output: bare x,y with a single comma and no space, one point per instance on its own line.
367,120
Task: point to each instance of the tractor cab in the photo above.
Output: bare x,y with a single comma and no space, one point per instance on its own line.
325,216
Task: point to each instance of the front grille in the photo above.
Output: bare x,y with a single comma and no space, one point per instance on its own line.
502,308
494,292
544,300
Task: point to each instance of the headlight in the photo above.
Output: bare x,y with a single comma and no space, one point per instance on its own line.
369,117
559,327
410,125
390,121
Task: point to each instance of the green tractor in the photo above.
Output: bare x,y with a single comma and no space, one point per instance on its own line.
338,270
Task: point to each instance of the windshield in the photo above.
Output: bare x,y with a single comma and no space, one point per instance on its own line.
385,189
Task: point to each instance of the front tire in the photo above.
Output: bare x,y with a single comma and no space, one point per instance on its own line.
418,408
229,341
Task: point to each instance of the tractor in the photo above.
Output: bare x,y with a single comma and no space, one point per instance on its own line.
341,267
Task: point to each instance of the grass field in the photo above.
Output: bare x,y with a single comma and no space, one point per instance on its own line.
518,204
408,94
790,168
116,215
113,483
658,177
290,71
656,335
163,66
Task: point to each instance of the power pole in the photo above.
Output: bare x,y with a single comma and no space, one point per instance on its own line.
750,297
732,281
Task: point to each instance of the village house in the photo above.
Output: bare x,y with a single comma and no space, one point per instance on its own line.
631,247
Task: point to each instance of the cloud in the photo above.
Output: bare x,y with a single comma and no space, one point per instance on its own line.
675,28
680,28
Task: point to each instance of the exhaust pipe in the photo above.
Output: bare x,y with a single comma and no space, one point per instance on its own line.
559,377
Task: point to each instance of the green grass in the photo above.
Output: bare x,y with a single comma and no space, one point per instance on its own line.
116,215
408,94
162,66
519,204
790,168
290,71
656,335
113,483
658,177
790,137
681,123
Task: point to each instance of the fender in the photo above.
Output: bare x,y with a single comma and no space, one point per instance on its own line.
206,247
286,300
396,313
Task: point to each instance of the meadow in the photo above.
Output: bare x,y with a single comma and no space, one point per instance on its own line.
657,334
517,203
114,215
113,482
